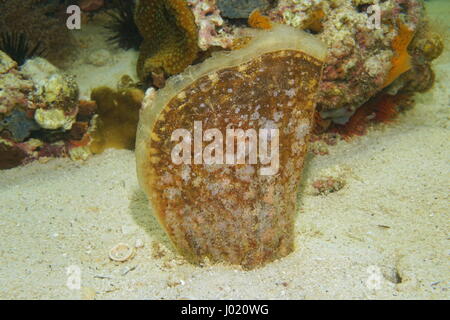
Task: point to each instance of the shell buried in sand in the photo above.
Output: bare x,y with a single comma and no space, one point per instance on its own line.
220,149
121,252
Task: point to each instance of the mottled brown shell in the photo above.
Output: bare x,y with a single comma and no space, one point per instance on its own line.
231,212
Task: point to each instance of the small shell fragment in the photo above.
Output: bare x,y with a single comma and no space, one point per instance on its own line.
139,243
121,252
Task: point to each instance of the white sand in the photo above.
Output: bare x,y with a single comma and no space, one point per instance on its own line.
92,68
63,214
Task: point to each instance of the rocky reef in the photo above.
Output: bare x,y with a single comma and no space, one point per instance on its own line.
362,60
364,65
40,114
55,91
228,205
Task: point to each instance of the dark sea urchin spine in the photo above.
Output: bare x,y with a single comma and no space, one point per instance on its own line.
17,46
123,29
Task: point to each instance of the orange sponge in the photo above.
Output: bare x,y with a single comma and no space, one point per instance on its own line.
257,20
401,61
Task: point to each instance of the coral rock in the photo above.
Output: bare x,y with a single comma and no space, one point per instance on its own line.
212,30
363,58
240,8
170,37
38,113
6,63
428,43
14,91
18,124
10,155
56,91
240,212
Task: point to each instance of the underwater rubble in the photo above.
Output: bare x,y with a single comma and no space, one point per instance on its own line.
40,114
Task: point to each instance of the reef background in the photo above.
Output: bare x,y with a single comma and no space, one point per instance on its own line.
390,215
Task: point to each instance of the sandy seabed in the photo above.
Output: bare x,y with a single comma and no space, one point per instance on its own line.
384,235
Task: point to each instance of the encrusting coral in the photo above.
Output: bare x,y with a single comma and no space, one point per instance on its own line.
212,29
55,91
170,37
40,115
